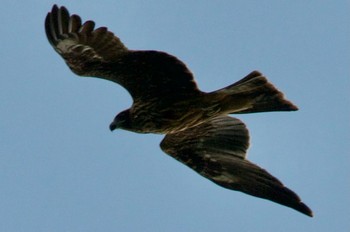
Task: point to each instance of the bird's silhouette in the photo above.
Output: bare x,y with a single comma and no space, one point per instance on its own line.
166,100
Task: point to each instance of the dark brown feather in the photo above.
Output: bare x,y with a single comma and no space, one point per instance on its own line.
162,87
167,100
216,149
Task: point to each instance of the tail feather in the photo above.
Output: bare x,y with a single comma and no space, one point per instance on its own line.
255,94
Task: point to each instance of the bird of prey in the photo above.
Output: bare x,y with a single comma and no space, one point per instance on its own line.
166,100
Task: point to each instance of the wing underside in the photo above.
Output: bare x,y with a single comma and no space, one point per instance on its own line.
147,75
217,150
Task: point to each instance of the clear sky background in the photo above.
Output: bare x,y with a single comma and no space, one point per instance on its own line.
62,170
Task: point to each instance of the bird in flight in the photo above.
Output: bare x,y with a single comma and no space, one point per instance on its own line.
166,100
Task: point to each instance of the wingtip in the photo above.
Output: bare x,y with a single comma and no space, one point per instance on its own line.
291,106
54,9
305,210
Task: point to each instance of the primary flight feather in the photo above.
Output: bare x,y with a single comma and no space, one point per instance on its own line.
166,100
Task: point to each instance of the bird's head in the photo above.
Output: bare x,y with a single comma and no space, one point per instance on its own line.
122,121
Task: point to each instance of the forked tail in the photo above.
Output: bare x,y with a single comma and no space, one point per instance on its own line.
254,93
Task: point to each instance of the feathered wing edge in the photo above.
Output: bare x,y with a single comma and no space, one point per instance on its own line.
99,53
217,149
79,43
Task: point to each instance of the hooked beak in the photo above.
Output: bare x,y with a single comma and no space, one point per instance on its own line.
112,126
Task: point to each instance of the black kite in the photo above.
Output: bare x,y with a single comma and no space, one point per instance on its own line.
166,100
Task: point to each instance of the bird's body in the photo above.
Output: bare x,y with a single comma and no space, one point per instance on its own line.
166,100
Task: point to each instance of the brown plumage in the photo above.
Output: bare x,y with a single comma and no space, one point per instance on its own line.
167,100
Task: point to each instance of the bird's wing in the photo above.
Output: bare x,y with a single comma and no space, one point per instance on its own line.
79,44
99,53
216,149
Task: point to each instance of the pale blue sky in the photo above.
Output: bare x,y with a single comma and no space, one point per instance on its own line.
61,169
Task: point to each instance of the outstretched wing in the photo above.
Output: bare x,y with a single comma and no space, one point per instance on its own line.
79,44
99,53
217,150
